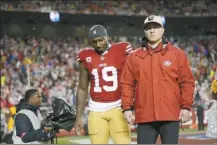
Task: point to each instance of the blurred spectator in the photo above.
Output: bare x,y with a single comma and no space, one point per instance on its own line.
200,114
163,7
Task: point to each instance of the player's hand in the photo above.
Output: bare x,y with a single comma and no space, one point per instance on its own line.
128,116
78,126
184,115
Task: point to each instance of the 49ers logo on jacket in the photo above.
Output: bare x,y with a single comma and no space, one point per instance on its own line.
167,63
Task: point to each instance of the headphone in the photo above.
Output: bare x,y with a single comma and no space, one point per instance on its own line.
144,41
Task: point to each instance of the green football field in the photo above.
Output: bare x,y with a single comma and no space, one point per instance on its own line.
85,139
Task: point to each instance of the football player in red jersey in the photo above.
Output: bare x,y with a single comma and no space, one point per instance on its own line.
101,66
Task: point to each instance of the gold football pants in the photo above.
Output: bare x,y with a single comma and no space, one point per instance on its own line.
111,123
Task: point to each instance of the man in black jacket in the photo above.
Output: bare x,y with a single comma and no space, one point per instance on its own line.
28,120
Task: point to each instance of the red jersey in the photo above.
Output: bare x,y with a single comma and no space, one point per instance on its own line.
105,71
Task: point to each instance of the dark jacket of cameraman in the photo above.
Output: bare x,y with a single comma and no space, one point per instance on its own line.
26,123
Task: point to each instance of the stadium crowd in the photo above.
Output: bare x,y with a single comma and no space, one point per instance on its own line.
50,64
163,7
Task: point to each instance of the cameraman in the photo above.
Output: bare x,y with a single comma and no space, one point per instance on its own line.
28,120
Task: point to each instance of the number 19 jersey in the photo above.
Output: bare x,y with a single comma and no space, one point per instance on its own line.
105,71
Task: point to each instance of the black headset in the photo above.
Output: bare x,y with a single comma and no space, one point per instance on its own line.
144,41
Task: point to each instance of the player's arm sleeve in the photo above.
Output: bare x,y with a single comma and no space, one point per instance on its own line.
128,85
186,82
25,130
79,57
128,48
